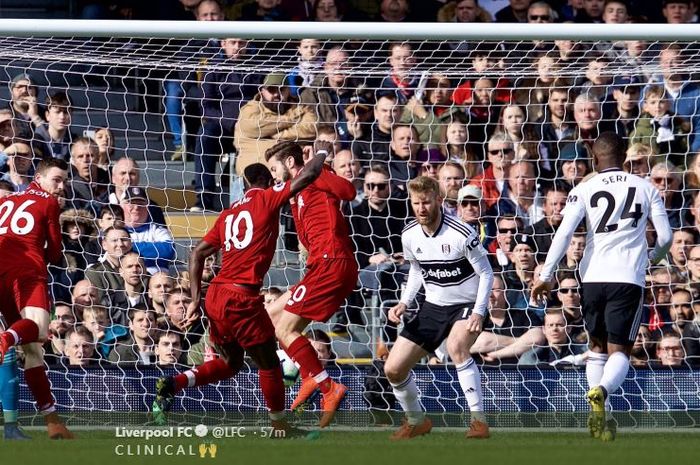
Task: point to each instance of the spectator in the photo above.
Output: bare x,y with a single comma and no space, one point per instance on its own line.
401,79
153,242
574,252
105,148
515,12
559,348
125,173
470,206
681,308
119,301
683,240
88,182
592,12
346,166
682,91
139,347
667,179
658,128
569,295
691,336
78,228
522,200
644,346
269,118
693,215
84,295
615,12
175,307
543,231
376,146
677,11
358,113
309,67
640,159
375,225
63,320
402,159
104,332
263,10
588,117
512,123
556,127
656,311
331,92
20,170
520,274
451,178
598,78
692,175
23,101
625,112
159,285
6,188
80,347
179,84
507,333
455,147
169,348
224,92
500,249
694,266
394,11
105,275
109,215
669,350
531,93
493,181
572,166
54,137
463,11
482,109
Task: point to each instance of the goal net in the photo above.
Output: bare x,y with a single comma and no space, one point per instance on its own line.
505,125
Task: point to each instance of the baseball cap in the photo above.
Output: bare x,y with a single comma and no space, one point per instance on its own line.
668,2
275,80
135,193
21,77
625,80
524,239
571,152
357,102
469,191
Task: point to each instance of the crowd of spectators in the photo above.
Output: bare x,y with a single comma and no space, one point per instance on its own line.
505,147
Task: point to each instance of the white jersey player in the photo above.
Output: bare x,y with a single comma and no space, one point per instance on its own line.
447,258
616,206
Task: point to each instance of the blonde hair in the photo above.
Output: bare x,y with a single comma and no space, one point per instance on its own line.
424,185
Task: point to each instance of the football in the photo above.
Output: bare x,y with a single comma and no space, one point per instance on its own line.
290,371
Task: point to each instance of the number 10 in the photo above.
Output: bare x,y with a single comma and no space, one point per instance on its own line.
233,223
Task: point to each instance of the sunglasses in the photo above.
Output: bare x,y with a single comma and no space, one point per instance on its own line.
660,179
501,152
542,17
470,203
379,185
507,230
569,290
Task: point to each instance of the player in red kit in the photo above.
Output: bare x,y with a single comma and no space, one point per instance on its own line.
331,274
30,236
247,233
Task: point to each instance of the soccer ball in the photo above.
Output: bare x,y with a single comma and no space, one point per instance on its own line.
290,371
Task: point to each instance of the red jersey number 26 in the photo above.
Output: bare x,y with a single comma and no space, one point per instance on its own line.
20,221
233,227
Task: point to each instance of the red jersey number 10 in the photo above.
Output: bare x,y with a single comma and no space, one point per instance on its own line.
21,222
233,228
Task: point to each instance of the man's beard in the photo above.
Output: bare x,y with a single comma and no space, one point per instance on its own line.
278,107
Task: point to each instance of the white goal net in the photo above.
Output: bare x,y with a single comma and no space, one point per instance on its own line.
504,125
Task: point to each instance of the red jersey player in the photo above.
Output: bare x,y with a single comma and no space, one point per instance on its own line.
30,235
331,274
247,233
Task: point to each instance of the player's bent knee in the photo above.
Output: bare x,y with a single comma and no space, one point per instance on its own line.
395,373
33,355
39,316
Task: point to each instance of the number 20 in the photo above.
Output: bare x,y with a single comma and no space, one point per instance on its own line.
6,209
233,224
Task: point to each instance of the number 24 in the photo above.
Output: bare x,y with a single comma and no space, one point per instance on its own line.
603,226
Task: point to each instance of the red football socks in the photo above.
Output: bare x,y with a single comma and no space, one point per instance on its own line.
273,388
206,373
302,352
26,330
39,386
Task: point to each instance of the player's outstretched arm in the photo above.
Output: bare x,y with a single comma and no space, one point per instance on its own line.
196,268
664,235
482,267
312,169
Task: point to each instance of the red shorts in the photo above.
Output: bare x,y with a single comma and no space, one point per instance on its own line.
19,292
237,314
324,287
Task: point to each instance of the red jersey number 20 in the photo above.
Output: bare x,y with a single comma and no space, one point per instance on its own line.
233,228
20,221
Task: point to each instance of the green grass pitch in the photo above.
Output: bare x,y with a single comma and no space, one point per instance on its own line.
359,448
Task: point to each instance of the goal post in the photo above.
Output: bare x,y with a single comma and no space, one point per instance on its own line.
151,83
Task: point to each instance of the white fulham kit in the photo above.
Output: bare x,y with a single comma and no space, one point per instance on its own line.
616,206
